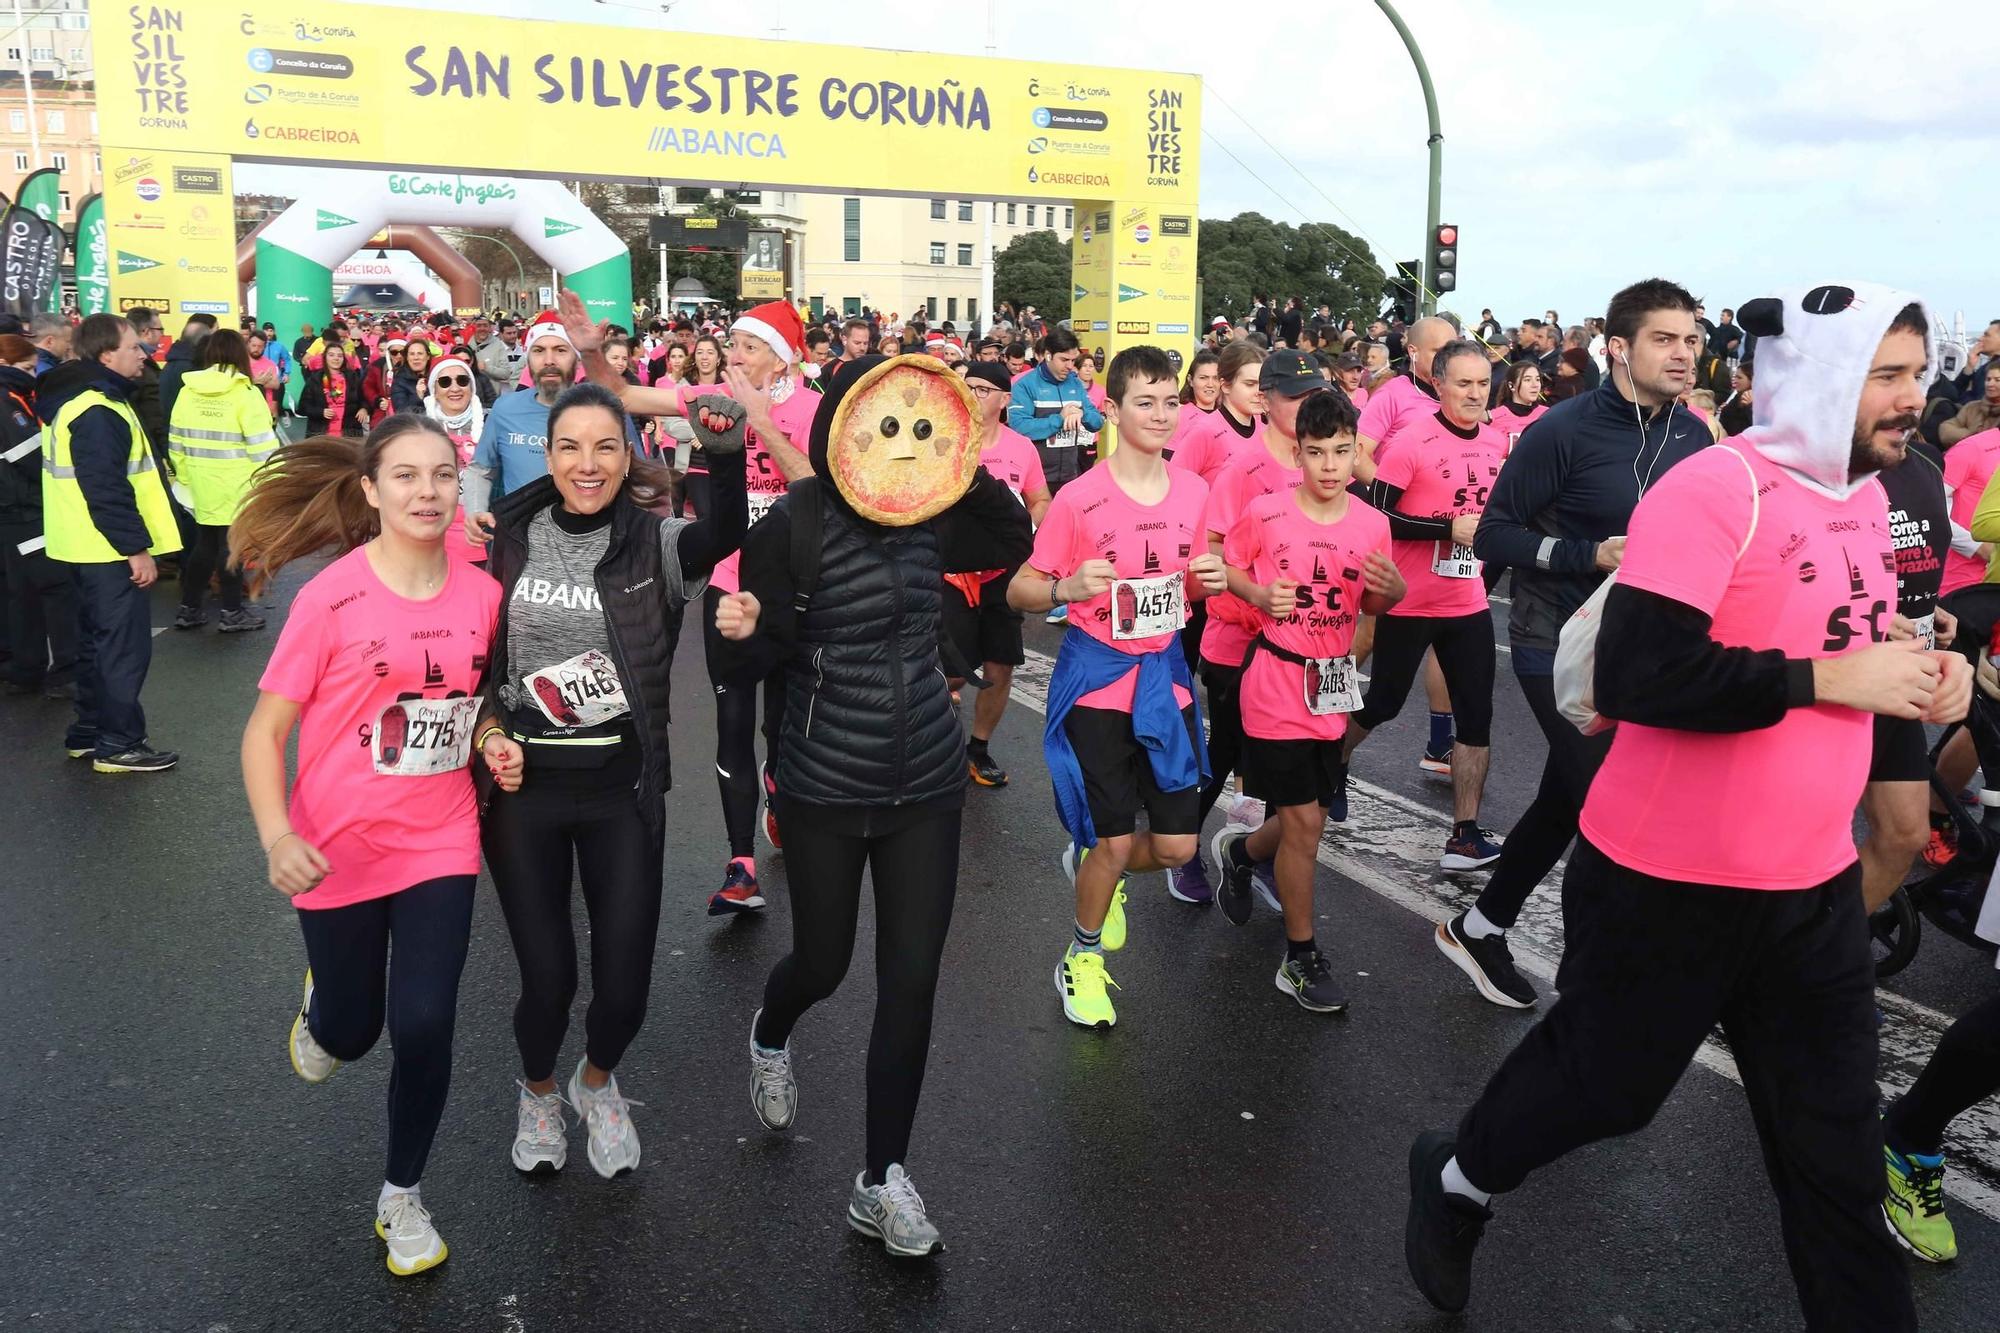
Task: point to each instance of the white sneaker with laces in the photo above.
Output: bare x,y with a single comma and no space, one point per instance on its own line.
893,1213
774,1088
309,1059
1247,811
614,1141
414,1244
540,1141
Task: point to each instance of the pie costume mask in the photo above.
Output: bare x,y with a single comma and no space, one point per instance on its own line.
904,441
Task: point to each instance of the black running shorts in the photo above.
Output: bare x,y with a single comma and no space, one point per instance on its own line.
1118,776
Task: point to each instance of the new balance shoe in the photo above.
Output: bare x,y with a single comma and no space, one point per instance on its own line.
1914,1205
1489,962
1442,1229
1437,765
1114,920
541,1135
614,1141
893,1213
309,1059
404,1225
1474,851
1232,892
1189,883
141,758
239,622
739,892
774,1089
1309,980
1081,981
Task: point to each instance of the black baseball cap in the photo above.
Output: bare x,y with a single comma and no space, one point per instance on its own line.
1349,361
1290,374
993,372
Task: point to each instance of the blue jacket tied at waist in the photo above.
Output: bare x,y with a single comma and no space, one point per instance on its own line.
1084,664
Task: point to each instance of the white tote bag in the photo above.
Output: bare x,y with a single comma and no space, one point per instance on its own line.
1576,650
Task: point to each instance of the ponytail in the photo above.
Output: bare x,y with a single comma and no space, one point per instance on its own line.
308,499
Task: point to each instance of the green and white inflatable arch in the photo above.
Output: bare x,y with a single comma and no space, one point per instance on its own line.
297,253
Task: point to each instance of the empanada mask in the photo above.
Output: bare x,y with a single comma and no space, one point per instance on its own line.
904,442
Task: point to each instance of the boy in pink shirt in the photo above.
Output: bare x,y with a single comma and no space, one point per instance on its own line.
1123,546
1310,560
1742,651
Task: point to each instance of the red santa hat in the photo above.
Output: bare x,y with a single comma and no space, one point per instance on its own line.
548,324
450,362
777,324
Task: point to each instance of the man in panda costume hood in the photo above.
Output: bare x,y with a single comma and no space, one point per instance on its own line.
1743,653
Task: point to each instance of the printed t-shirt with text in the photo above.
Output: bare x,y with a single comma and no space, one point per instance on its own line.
388,690
1231,620
1968,466
1818,580
1274,539
1442,475
1092,518
1208,443
1393,408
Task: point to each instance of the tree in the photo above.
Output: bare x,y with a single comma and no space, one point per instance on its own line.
1034,270
1249,255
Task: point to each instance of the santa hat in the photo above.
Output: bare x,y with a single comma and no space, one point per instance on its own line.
777,324
395,340
547,325
453,362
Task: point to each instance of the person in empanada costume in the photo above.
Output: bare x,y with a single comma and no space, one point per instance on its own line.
871,764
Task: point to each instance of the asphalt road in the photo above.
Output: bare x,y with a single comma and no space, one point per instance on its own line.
1221,1160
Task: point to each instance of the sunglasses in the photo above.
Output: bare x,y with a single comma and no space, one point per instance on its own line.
454,381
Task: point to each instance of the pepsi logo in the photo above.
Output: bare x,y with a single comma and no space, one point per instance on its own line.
148,188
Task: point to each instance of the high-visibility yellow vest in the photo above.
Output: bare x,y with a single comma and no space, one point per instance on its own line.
72,537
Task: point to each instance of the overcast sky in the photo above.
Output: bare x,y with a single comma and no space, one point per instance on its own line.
1734,147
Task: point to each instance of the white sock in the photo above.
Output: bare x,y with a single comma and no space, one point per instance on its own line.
1456,1183
390,1190
1478,927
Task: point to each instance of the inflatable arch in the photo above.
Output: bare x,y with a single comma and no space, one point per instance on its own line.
459,275
297,253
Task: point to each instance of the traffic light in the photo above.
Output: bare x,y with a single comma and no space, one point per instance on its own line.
1404,285
1444,259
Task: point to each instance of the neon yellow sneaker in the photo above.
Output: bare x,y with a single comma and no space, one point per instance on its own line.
1114,920
1914,1205
1080,980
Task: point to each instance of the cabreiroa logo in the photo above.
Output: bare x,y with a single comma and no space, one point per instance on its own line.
131,263
328,221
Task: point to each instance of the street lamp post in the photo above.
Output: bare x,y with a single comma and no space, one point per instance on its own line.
1428,303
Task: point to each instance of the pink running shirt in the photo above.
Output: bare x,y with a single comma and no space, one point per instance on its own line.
761,476
1771,808
1012,458
1092,518
1968,466
1392,408
1231,620
1442,475
1274,538
1210,442
361,660
1514,424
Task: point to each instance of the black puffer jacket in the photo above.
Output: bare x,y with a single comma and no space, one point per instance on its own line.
20,480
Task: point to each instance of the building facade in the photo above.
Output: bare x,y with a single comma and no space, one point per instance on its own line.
48,100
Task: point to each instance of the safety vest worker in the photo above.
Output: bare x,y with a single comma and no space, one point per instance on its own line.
220,435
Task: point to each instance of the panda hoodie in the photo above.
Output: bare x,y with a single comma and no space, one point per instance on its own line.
1743,565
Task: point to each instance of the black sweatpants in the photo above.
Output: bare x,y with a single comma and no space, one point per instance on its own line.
114,652
1465,654
1547,827
1649,967
736,773
40,611
532,839
912,859
208,557
1963,1071
1225,733
399,958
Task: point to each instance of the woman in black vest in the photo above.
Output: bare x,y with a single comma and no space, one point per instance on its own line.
871,775
594,586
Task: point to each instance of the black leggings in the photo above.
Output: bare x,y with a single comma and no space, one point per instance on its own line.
1465,654
1225,733
208,555
1964,1070
531,838
736,735
1547,827
912,859
355,988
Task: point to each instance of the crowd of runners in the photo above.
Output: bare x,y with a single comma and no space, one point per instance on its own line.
1282,542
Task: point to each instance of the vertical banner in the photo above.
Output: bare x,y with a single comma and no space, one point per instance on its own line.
45,285
20,254
42,192
763,275
93,266
171,233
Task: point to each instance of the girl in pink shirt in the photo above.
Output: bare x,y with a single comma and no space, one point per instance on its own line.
1209,441
1521,404
378,667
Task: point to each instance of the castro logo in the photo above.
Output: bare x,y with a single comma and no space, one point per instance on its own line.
1142,233
148,189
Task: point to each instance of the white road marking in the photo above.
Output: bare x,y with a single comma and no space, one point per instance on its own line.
1390,844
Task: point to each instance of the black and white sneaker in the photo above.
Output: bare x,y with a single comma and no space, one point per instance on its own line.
1309,980
141,758
1442,1229
1489,962
1232,894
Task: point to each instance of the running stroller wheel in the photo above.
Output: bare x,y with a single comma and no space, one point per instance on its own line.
1894,931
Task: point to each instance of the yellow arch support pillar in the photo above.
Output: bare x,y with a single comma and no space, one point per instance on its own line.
1132,280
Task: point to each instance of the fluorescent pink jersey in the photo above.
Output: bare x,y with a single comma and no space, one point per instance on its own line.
1210,441
1514,424
1771,808
1092,518
1442,475
1968,466
1391,409
1231,620
1359,397
1274,539
388,689
1012,458
761,476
